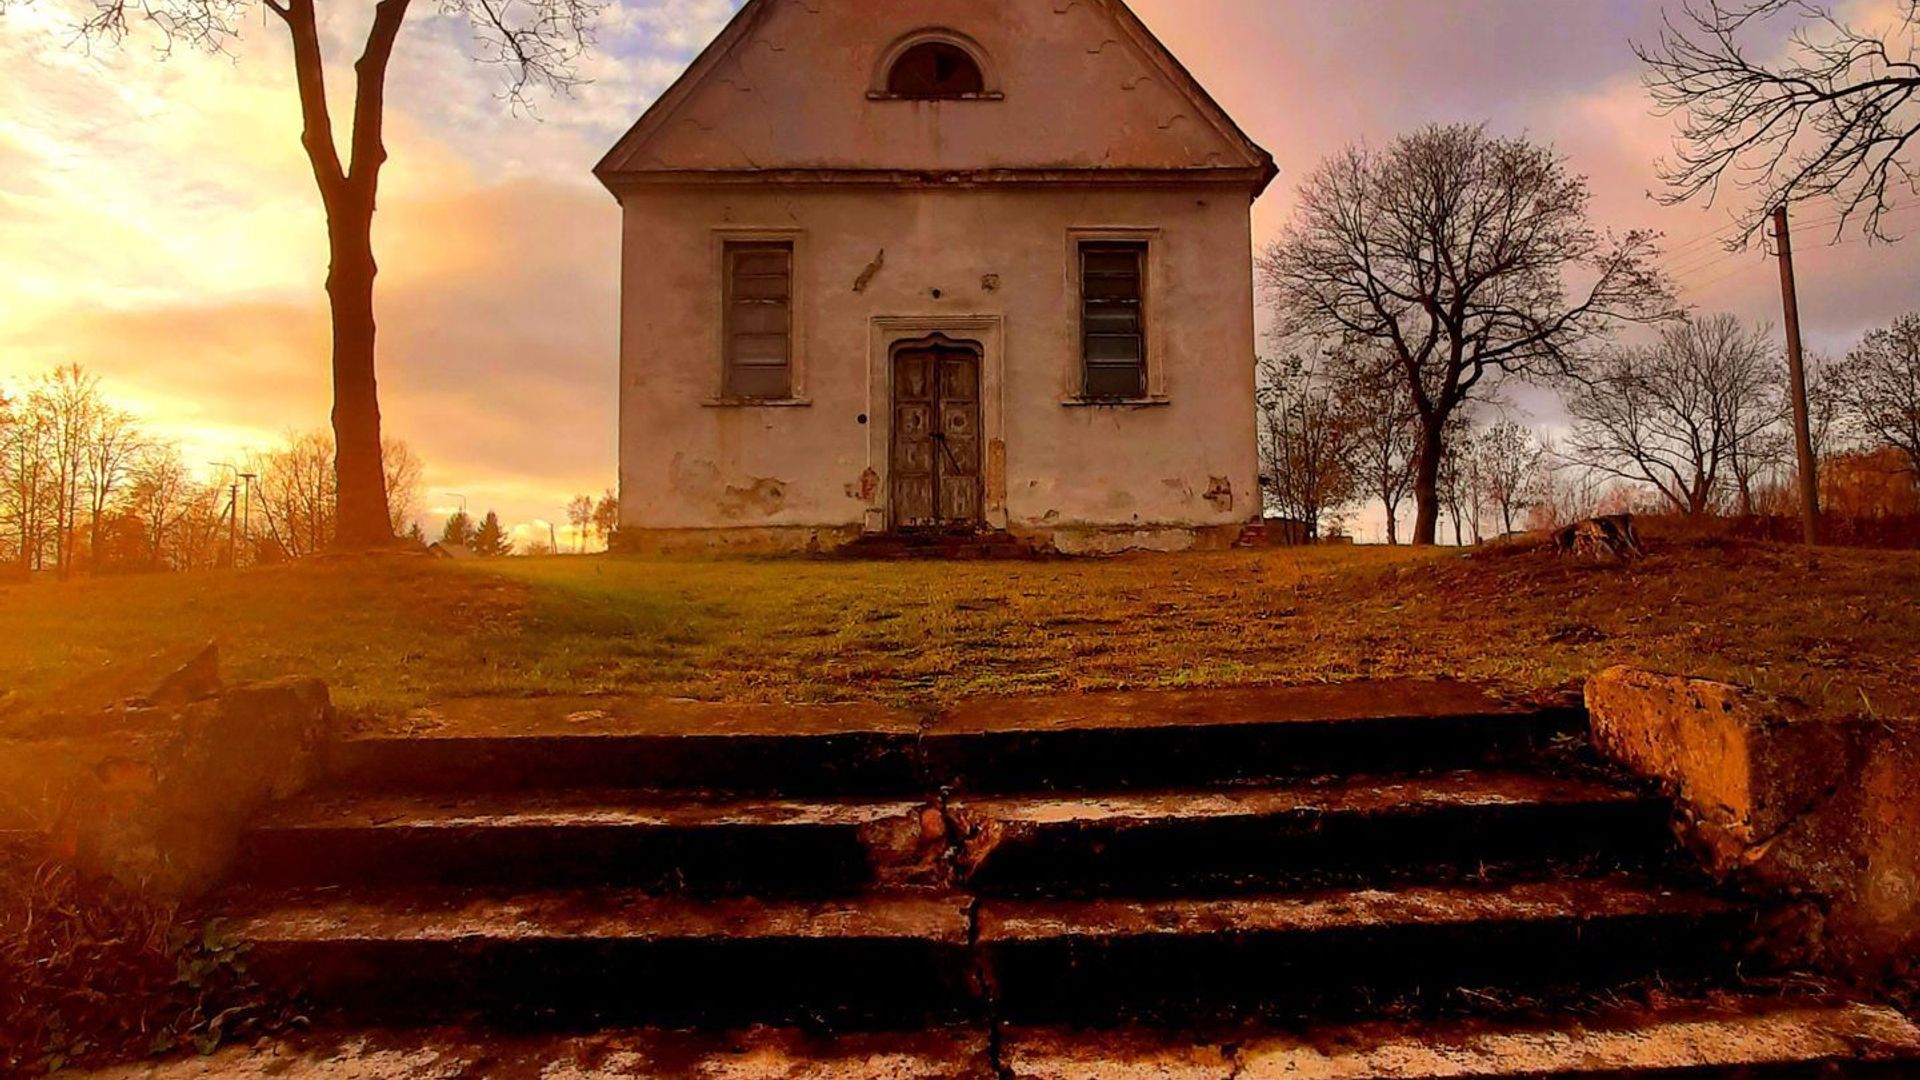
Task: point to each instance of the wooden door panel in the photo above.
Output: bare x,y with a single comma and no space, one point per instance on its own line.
936,447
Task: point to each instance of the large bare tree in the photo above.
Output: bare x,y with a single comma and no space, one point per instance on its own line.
1834,114
1675,414
534,42
1304,462
1446,256
1880,384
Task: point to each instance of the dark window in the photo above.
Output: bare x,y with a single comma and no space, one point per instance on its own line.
935,69
760,319
1112,324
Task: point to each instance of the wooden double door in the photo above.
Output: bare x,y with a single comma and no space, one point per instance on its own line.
937,450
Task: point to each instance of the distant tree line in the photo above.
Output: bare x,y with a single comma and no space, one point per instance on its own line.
84,487
1694,422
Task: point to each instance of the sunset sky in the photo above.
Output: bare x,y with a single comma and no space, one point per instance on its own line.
158,223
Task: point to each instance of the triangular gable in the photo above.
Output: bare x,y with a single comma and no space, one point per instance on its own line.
1080,88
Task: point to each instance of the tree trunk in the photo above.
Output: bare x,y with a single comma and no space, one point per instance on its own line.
362,515
1426,482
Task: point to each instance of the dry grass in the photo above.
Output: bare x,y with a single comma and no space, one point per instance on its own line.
1838,628
92,973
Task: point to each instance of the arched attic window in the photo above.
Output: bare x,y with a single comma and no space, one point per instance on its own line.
935,69
934,65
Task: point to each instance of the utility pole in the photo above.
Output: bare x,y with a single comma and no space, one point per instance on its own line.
1797,376
233,513
233,525
246,514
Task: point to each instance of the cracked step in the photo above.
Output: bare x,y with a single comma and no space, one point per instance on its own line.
1345,830
1067,742
1733,1040
1143,843
1342,950
613,954
538,839
607,955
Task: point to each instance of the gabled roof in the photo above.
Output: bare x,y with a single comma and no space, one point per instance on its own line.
774,97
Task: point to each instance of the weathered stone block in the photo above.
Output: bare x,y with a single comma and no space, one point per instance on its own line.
1742,763
162,811
1779,799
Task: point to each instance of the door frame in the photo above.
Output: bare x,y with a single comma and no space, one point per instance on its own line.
889,332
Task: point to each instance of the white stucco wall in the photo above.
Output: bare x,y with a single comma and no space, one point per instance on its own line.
1003,260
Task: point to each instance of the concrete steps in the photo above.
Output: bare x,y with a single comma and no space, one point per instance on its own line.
1220,839
1399,854
1084,742
611,954
1788,1040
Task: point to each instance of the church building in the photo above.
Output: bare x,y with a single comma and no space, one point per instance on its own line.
936,265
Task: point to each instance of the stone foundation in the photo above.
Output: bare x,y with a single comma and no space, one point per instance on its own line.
1784,801
811,539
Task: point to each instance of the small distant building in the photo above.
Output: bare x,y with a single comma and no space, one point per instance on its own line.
932,265
440,549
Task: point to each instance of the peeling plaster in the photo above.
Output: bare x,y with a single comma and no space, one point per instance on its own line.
702,480
867,488
1220,493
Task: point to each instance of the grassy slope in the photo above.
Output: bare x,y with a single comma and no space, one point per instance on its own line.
1839,628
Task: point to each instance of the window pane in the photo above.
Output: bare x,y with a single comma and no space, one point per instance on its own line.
760,261
1108,261
760,349
760,319
1108,349
1113,289
759,287
1113,319
758,382
1114,382
935,69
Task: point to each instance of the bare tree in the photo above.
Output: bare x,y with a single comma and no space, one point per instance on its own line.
402,469
1456,485
1445,256
295,493
160,493
27,491
1304,463
534,42
1509,459
10,431
113,445
1383,435
67,402
1835,118
1880,383
606,516
580,517
1675,414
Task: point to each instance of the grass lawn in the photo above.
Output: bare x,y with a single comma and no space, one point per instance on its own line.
1837,628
